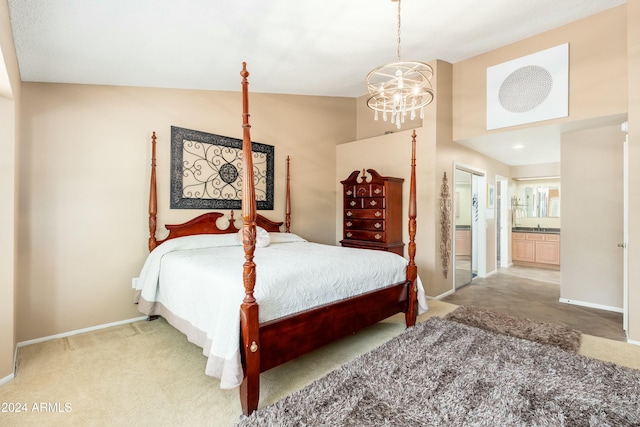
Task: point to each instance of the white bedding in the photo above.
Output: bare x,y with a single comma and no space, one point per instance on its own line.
196,282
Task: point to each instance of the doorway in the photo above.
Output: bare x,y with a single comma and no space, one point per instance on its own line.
468,260
502,223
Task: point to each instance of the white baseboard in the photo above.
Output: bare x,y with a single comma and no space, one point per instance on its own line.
591,305
6,379
15,359
446,294
80,331
633,342
491,273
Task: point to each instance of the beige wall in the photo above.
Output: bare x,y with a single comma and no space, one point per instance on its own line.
597,72
7,230
9,102
85,179
592,217
535,171
633,39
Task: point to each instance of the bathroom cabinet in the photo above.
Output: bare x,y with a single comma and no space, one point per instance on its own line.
536,249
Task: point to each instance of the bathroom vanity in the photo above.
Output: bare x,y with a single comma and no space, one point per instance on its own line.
536,247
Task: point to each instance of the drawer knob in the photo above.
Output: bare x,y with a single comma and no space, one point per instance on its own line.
377,191
349,223
353,203
349,234
377,236
378,214
349,193
373,203
349,213
377,225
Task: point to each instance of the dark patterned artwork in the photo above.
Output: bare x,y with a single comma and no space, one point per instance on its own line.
206,171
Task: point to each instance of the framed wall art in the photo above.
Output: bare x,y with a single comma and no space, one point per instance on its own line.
206,171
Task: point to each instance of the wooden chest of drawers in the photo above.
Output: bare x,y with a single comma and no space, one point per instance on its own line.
372,212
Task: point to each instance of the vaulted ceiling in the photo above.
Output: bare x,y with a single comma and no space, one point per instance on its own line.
306,47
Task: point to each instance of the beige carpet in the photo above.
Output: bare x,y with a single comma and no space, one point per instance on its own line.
146,373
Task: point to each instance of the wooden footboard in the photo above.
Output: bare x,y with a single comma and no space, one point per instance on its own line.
284,339
325,324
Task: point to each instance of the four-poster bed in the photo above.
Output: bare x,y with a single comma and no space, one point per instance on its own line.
377,284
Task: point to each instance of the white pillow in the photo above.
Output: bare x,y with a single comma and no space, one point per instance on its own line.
197,241
262,237
285,238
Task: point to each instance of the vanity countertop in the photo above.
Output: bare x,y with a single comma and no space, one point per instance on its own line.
535,230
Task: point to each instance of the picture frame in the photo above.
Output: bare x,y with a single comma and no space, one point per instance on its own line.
206,171
491,195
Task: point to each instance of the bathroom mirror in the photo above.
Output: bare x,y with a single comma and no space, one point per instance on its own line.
537,201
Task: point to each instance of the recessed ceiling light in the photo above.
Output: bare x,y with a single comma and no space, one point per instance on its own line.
518,146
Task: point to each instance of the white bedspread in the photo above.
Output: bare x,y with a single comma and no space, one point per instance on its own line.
198,279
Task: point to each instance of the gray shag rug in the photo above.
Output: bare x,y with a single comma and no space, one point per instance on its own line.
542,332
445,373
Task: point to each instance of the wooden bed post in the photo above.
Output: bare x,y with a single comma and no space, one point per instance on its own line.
412,269
287,210
250,387
153,200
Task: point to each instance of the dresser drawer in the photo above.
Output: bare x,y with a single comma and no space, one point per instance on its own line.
350,191
364,224
373,236
369,190
364,213
365,203
353,203
373,203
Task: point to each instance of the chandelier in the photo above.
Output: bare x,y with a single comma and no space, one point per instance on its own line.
399,88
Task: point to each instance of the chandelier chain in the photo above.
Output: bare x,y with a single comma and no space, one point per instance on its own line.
399,30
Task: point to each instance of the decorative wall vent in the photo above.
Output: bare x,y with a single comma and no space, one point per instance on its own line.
529,89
